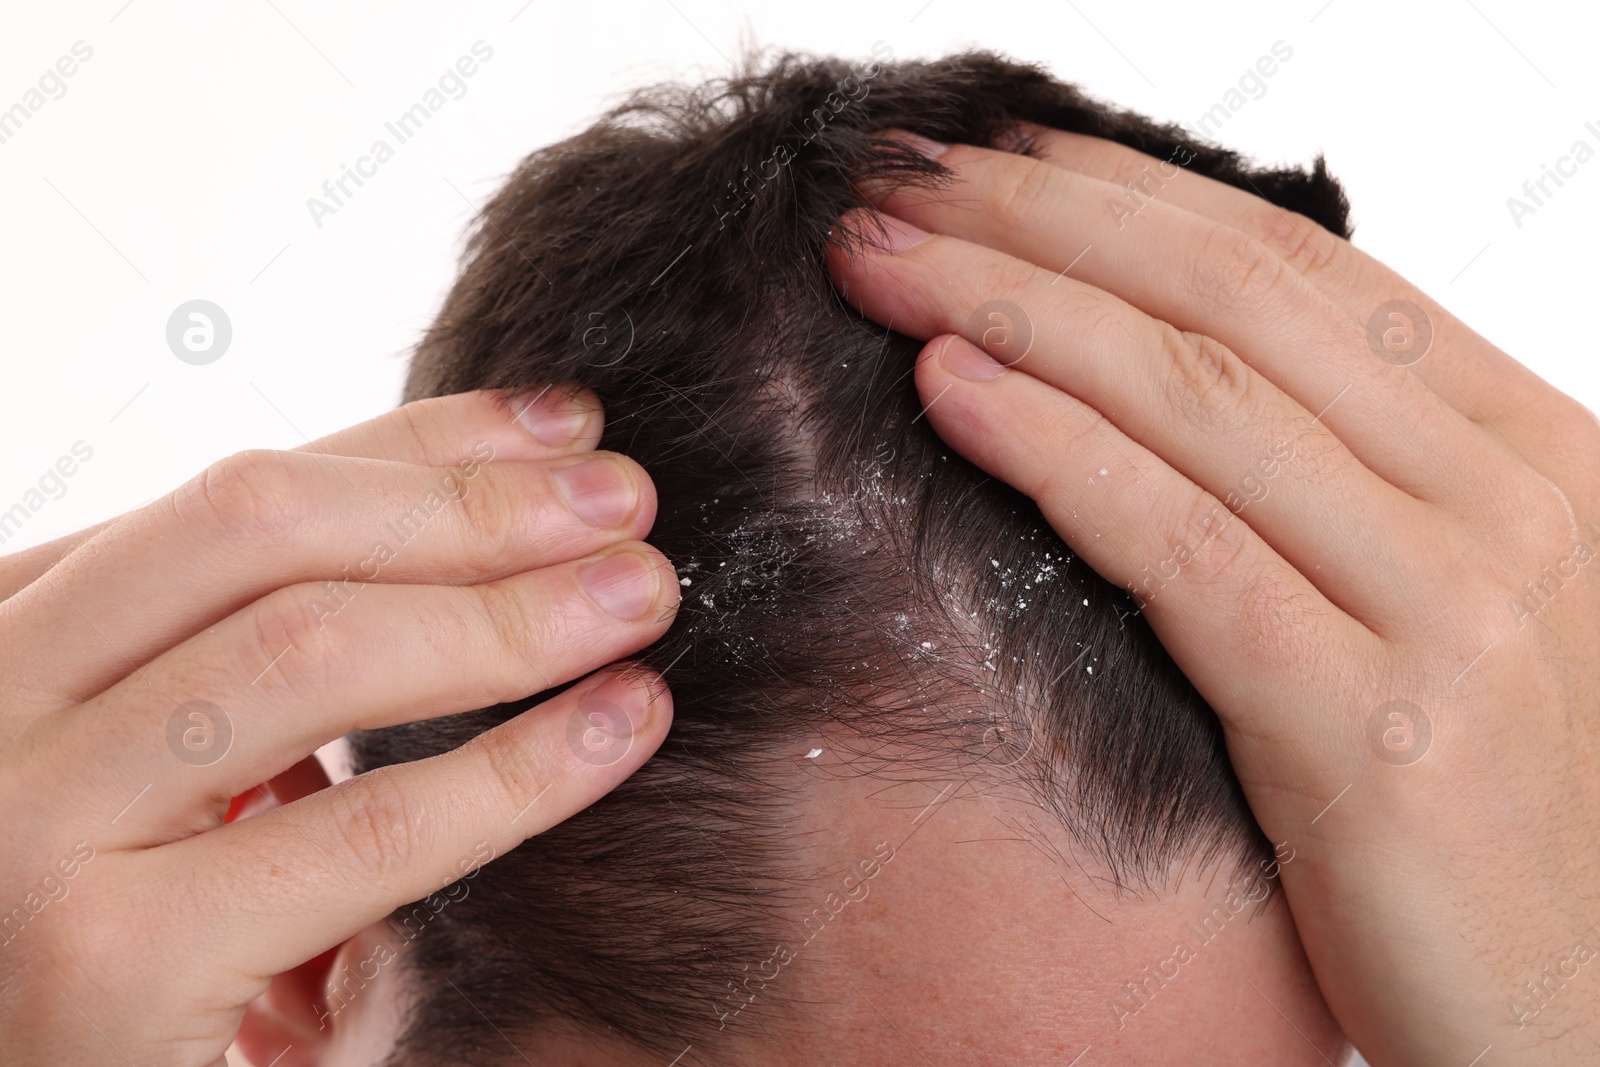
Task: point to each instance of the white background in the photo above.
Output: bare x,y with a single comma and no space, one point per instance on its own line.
179,161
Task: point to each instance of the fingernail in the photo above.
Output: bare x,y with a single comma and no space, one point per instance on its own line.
625,585
926,145
901,235
966,360
553,417
600,490
633,691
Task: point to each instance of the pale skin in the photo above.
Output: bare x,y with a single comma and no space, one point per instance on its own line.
1173,356
203,596
946,920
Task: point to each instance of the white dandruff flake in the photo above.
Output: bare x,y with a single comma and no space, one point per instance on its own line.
814,753
685,582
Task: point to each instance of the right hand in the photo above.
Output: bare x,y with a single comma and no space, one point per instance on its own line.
158,665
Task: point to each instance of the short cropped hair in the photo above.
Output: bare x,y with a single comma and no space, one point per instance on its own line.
846,570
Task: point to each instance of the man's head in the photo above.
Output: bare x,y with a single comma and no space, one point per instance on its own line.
933,791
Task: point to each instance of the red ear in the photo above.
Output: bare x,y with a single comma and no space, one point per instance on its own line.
287,1025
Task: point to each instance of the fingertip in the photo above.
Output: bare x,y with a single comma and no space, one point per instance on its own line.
564,416
650,687
671,586
645,517
951,359
625,713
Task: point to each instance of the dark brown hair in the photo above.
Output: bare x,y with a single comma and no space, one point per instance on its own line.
847,570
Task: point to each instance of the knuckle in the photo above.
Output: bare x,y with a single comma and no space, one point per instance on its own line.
1139,179
250,496
1517,505
423,420
1278,617
1303,244
1576,438
1205,381
1097,320
1020,191
1545,519
1008,276
488,516
1317,456
1215,540
1233,271
379,827
518,631
290,631
515,769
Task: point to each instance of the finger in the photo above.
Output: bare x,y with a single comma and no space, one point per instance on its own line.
1467,371
1236,617
262,520
335,862
544,423
1185,398
1533,420
21,568
249,697
1211,279
538,424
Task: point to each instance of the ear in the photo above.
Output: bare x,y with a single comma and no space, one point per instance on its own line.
339,1009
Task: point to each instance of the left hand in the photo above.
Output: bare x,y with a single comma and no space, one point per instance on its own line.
1378,572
